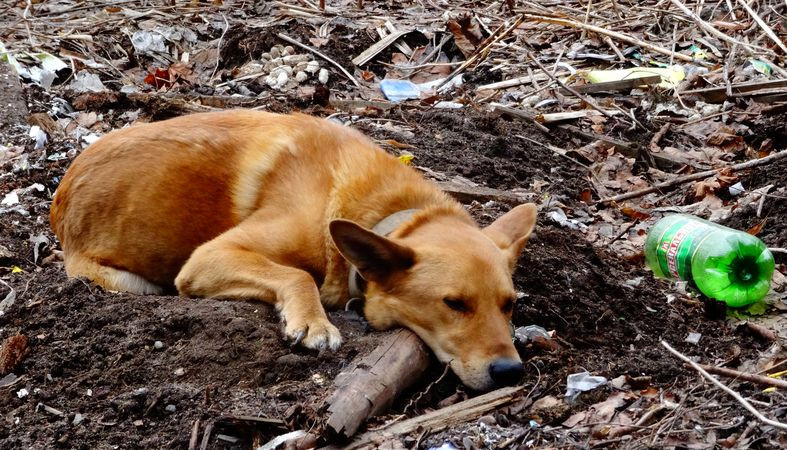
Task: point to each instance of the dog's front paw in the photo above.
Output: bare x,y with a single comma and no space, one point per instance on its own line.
318,334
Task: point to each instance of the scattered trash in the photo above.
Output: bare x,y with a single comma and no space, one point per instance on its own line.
736,189
559,217
39,136
85,81
399,90
693,338
10,199
274,443
9,299
582,382
38,241
78,418
22,393
527,333
148,42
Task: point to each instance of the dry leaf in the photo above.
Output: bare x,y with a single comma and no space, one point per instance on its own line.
467,34
634,214
12,352
756,229
703,188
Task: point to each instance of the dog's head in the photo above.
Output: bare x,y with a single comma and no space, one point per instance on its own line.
448,281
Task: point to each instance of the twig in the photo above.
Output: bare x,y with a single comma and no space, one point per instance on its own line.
194,436
735,395
585,99
321,55
754,378
777,250
218,47
482,51
615,35
708,27
763,25
697,176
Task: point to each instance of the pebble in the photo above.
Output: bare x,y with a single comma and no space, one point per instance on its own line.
301,76
288,50
78,418
179,372
323,76
158,345
170,408
487,420
275,52
140,392
312,67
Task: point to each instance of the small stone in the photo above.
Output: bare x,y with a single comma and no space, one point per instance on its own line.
693,338
301,66
281,79
288,50
487,420
179,372
89,392
295,59
312,67
22,393
158,345
78,418
300,77
265,56
275,53
323,76
170,408
138,423
140,392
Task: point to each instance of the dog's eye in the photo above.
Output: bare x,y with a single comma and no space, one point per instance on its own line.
508,306
456,305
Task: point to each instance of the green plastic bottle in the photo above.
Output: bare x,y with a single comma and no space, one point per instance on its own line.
724,264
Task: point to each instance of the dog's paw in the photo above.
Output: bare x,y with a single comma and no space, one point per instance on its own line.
319,334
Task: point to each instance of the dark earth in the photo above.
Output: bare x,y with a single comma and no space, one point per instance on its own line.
94,353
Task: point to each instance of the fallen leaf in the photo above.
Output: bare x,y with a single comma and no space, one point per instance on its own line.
703,188
757,228
634,214
12,352
467,34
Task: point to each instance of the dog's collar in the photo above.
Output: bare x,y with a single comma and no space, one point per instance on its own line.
355,282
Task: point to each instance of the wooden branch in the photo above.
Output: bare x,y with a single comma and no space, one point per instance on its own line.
719,94
440,419
709,28
745,376
618,85
697,176
467,194
763,25
371,384
483,50
613,34
377,47
497,107
735,395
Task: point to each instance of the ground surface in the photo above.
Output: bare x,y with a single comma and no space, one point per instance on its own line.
94,376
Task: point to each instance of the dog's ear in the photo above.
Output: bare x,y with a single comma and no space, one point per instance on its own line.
511,230
375,257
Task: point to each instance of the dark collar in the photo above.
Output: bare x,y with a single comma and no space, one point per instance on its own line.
355,282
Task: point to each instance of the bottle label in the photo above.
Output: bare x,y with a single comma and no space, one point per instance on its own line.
677,246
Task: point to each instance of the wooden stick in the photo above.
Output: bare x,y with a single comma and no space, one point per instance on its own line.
708,27
697,176
467,194
585,99
440,419
321,55
482,51
763,25
371,384
613,34
194,436
738,375
735,395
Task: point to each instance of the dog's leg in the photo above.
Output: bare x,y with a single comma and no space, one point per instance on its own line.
234,265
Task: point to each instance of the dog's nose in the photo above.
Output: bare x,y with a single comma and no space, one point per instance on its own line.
506,372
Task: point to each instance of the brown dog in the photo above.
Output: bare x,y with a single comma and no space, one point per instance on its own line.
253,205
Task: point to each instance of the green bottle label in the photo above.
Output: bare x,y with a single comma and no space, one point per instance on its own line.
677,246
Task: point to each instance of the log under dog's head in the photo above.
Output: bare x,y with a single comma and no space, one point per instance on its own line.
449,281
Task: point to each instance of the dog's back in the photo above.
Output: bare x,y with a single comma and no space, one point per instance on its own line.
141,199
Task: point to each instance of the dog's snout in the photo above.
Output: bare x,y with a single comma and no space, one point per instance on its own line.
505,371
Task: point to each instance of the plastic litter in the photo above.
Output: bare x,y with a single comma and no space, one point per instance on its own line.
85,81
39,136
582,382
398,90
528,333
148,42
670,76
693,338
284,438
